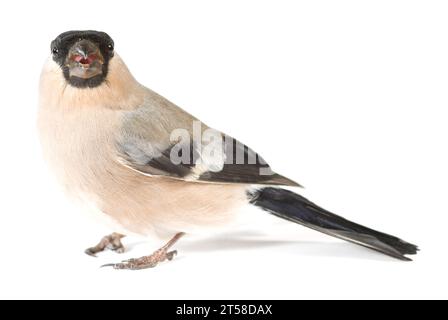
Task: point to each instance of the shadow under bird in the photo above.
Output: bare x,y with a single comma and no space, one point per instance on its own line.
137,159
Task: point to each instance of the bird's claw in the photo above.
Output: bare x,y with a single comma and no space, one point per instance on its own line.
145,262
90,252
111,242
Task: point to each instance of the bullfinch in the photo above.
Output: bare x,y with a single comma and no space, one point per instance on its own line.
149,167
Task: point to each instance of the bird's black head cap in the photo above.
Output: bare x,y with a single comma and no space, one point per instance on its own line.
83,56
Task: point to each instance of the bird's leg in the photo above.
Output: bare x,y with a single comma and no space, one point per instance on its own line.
149,261
111,242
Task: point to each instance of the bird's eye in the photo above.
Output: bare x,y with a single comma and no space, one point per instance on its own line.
110,46
55,50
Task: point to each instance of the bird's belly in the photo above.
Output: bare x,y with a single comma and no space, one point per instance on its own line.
165,206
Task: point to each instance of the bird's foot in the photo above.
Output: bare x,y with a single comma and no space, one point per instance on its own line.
163,254
144,262
110,242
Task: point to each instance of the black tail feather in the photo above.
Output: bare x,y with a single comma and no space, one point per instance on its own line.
291,206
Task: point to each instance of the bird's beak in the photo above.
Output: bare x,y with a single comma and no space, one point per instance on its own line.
84,60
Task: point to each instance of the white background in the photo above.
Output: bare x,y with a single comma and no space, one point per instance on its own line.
347,97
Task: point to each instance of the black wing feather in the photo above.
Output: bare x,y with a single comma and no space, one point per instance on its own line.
242,165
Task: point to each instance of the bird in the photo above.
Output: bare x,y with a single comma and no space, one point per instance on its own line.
150,168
